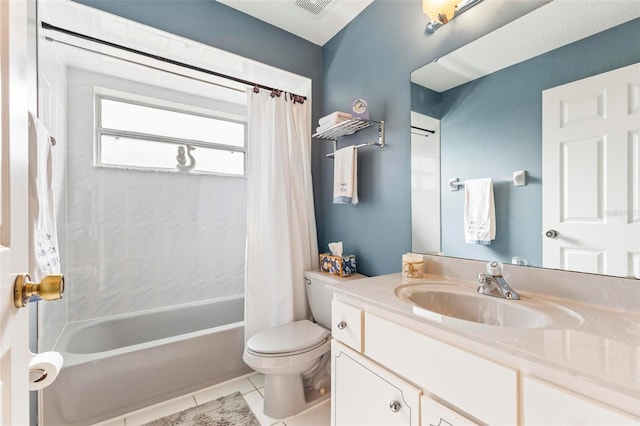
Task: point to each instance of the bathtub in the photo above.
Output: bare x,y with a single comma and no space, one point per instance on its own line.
116,365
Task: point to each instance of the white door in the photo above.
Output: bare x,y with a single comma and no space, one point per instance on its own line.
591,183
15,73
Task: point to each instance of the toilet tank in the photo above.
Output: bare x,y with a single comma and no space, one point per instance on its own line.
319,296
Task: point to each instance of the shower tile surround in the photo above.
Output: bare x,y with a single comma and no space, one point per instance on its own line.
137,240
142,239
52,94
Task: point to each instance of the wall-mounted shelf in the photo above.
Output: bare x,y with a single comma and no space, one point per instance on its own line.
349,127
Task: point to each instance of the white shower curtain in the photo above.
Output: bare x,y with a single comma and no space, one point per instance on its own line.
281,228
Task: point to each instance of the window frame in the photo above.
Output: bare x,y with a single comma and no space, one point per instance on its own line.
139,100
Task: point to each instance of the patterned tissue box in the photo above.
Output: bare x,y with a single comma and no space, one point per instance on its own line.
342,266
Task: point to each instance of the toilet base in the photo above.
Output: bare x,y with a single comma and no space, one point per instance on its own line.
284,396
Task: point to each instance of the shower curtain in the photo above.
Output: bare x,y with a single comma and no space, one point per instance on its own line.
281,228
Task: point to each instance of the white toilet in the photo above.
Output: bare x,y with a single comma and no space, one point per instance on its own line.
290,353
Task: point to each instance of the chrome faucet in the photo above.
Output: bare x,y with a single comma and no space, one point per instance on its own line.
493,283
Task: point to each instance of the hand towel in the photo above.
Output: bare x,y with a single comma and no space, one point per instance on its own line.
479,212
334,118
345,176
44,258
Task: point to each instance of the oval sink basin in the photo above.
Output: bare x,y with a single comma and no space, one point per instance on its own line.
444,302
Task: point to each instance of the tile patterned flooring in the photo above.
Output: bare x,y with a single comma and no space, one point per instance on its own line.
251,388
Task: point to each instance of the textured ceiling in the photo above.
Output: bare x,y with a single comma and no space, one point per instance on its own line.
285,14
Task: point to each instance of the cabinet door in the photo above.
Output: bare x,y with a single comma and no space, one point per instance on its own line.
547,404
436,414
368,395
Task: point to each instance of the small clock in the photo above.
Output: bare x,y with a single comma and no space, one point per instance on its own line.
360,108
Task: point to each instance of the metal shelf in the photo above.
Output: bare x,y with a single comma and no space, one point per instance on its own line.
350,127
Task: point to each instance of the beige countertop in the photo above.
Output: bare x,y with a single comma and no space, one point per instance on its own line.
597,355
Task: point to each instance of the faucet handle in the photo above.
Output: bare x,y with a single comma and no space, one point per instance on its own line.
494,268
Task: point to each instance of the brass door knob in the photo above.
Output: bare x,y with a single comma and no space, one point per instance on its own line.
50,288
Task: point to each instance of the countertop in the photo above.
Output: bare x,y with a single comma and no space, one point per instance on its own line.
597,356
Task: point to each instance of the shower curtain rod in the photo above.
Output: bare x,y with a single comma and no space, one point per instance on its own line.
275,91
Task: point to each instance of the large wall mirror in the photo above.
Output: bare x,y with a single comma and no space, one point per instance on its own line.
479,111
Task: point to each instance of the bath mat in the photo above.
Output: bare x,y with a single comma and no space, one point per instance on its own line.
230,410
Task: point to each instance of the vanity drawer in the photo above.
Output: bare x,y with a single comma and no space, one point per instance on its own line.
486,390
348,324
544,403
434,413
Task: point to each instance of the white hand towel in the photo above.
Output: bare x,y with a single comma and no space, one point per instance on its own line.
345,176
334,118
44,257
479,212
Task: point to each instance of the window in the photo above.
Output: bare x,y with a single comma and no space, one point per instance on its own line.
149,134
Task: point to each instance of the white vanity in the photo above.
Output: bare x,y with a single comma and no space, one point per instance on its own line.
395,363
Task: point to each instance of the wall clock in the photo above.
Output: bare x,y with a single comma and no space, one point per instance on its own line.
360,108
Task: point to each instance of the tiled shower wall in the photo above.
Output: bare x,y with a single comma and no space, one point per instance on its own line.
52,100
139,240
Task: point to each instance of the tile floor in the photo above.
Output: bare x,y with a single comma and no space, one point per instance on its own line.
251,388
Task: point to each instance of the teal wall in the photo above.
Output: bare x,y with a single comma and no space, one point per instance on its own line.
373,57
492,126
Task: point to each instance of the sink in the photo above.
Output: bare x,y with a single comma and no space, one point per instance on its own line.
448,303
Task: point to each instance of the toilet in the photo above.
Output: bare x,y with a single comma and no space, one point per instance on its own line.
293,354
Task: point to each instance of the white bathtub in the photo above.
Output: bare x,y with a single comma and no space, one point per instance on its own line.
120,364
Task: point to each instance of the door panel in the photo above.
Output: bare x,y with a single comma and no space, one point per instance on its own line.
591,187
16,74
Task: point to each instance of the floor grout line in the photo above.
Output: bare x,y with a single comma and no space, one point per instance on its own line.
239,385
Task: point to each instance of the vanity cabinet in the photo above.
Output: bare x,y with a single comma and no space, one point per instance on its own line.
454,387
367,394
486,390
548,404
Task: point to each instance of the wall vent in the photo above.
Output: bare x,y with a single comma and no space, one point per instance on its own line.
313,6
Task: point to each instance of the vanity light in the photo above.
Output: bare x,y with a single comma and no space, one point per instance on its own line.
442,11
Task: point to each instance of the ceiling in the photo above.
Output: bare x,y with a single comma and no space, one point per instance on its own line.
289,16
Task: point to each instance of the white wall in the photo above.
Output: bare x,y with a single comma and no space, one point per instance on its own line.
140,239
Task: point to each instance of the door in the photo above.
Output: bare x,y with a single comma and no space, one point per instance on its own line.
18,83
368,395
591,185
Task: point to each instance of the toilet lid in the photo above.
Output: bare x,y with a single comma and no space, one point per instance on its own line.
287,338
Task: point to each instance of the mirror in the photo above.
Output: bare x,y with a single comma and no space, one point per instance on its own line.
479,111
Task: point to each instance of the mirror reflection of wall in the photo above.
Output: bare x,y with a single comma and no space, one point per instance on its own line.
492,126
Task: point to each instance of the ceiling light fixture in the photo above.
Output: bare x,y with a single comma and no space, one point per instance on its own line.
442,11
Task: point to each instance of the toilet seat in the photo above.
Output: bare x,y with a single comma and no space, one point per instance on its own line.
288,339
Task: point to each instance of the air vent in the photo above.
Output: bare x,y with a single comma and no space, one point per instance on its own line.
313,6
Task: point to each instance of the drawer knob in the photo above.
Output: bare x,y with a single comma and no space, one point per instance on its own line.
394,406
342,325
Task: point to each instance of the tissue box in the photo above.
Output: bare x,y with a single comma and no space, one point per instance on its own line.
342,266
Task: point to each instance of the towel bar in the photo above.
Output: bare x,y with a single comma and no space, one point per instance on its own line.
519,179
